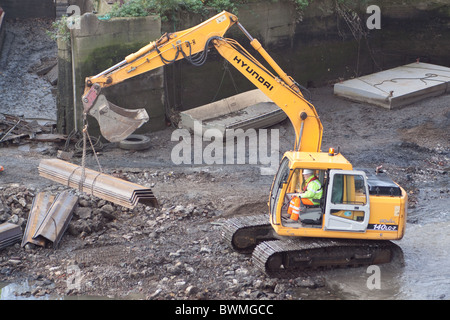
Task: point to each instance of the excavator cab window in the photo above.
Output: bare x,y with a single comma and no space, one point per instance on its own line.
310,210
348,189
297,182
347,202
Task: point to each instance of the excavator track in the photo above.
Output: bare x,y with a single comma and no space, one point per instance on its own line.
244,233
288,258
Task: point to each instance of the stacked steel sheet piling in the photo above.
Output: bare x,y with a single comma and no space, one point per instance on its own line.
98,184
9,234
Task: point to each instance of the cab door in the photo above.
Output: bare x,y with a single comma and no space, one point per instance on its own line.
347,203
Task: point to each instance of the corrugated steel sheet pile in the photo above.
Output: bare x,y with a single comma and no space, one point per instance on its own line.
49,218
9,234
104,186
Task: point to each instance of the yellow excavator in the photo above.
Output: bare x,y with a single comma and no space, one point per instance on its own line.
359,211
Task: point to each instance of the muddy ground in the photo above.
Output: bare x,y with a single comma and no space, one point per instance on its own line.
176,251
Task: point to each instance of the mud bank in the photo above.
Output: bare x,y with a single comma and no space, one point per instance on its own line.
22,91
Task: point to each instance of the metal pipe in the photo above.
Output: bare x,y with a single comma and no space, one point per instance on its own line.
116,66
12,128
247,34
300,136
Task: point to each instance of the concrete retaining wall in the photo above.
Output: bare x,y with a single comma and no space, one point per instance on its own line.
319,48
96,46
315,48
84,5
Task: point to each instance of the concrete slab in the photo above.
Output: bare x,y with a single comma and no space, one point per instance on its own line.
397,87
251,109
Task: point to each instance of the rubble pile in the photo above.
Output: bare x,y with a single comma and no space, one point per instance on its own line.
46,67
153,253
15,129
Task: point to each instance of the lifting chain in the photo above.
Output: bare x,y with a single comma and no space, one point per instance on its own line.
83,157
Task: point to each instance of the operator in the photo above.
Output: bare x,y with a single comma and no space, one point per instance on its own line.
310,195
311,189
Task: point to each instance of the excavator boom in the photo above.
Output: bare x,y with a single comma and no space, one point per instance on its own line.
193,44
301,113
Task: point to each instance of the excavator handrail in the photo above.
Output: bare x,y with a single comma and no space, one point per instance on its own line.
280,88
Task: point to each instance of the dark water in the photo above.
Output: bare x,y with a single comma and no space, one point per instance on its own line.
425,271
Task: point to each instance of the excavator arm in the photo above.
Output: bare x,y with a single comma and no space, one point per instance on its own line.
288,97
193,45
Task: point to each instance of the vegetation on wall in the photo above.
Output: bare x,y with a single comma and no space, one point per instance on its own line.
60,30
165,8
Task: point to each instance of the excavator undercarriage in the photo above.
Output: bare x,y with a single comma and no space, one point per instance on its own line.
287,257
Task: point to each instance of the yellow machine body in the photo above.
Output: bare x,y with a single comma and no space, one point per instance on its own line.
386,213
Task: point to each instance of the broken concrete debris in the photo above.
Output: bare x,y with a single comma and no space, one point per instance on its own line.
251,109
398,86
48,68
15,128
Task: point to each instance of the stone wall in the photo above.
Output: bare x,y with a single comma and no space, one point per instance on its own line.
98,45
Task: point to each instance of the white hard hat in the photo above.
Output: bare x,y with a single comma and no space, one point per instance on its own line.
308,171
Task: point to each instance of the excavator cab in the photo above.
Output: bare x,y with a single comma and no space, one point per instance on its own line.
289,183
357,221
349,207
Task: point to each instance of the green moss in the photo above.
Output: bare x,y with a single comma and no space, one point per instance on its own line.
103,58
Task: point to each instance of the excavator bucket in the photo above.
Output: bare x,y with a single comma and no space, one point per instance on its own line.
116,123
